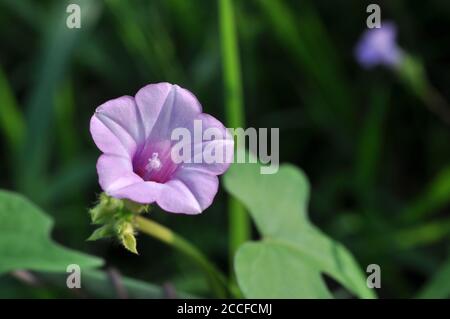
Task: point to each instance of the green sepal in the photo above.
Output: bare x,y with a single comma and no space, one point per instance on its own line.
129,242
136,208
106,209
125,231
116,217
105,231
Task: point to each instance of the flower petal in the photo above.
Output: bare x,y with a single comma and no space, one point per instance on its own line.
223,143
117,179
190,192
141,192
378,46
115,172
164,107
116,127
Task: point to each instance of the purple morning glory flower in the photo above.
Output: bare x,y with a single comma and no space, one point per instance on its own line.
378,46
134,134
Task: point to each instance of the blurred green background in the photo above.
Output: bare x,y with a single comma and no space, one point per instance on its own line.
378,160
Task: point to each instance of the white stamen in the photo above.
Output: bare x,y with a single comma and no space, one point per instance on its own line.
153,163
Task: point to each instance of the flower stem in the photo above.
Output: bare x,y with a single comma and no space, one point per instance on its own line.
413,74
239,222
216,278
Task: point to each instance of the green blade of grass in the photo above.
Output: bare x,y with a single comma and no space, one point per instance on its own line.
423,234
239,223
435,197
305,39
439,285
371,140
68,140
11,122
407,238
147,39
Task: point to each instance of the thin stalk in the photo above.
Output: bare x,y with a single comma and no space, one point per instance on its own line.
216,278
239,222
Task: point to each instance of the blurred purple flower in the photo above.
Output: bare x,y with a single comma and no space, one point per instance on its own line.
378,46
134,135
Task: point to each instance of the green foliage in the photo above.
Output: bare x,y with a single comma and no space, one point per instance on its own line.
413,74
293,253
435,197
371,138
59,44
65,114
152,46
438,286
25,241
277,270
305,38
98,284
12,125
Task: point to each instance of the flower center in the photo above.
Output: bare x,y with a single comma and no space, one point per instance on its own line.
154,164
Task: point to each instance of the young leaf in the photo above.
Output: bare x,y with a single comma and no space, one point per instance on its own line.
25,241
289,260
